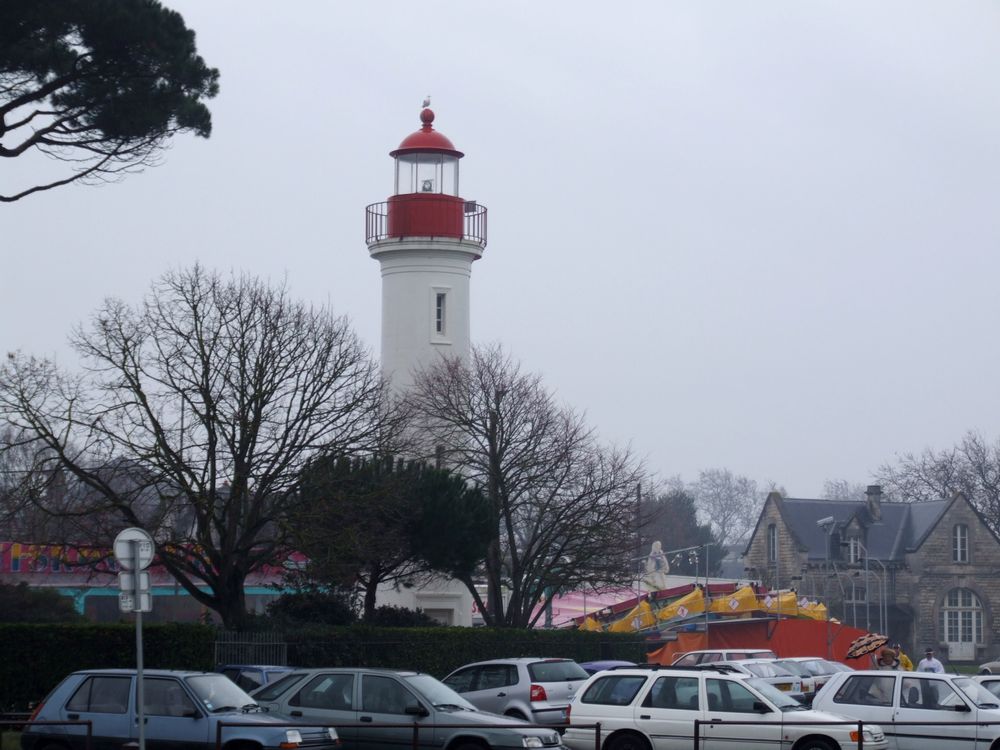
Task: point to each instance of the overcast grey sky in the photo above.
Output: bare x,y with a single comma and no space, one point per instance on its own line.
753,235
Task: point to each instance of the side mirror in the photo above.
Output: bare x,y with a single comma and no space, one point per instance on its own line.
761,708
962,708
415,709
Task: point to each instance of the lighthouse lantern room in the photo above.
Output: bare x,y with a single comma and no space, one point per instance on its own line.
425,237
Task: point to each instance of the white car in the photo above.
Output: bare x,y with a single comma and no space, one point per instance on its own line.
654,708
770,671
951,705
705,656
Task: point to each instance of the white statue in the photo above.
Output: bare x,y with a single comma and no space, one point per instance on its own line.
657,568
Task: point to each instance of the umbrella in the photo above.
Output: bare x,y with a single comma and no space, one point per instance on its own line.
866,644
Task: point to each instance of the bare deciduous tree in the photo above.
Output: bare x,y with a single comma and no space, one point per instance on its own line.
730,503
197,410
971,467
564,504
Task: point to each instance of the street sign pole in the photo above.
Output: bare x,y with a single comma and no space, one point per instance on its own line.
140,694
134,549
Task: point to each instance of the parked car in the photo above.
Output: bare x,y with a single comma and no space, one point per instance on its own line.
654,708
537,690
349,698
593,667
951,704
990,667
252,676
989,681
705,656
807,679
182,710
821,669
770,671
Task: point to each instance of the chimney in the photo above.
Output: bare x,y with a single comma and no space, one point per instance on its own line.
874,501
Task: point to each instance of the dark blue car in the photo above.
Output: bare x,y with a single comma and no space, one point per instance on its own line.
182,712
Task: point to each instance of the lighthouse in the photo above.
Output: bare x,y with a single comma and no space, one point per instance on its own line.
425,238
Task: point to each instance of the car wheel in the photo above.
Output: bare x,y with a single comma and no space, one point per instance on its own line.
815,743
627,741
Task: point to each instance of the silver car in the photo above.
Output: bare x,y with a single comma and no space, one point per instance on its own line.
534,689
396,704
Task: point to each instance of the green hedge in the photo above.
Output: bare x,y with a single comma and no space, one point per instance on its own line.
438,651
35,657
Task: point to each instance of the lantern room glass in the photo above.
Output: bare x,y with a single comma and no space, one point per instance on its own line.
427,173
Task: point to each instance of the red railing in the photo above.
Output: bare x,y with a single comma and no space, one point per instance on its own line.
430,216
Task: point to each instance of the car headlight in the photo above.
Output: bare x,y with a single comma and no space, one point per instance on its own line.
332,734
532,742
293,738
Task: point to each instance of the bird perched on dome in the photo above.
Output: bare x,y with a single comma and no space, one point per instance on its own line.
427,101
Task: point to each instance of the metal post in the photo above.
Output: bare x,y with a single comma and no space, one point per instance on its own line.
868,597
140,692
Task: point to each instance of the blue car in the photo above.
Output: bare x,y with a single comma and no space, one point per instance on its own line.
182,712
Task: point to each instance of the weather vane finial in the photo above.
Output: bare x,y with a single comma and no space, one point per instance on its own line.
427,101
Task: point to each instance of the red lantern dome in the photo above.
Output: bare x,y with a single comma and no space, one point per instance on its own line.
427,140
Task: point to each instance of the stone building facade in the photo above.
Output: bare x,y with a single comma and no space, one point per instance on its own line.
926,574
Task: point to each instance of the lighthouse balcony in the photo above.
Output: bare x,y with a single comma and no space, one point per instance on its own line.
419,215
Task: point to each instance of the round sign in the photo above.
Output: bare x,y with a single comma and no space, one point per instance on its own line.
125,550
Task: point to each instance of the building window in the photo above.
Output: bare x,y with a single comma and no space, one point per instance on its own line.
772,543
439,312
853,550
960,543
962,617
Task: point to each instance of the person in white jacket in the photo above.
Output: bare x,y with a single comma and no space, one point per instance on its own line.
929,663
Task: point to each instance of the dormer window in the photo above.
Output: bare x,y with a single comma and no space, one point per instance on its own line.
853,550
772,543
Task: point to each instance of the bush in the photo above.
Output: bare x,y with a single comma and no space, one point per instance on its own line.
18,603
34,658
389,616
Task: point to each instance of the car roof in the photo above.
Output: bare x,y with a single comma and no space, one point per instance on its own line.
253,666
379,670
147,672
516,660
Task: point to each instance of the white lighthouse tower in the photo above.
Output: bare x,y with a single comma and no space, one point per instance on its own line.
425,238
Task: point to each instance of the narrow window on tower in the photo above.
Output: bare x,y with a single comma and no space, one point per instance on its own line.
440,311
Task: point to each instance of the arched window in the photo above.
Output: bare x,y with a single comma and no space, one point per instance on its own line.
960,543
772,543
962,622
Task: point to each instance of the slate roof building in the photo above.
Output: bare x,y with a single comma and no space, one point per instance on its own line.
924,573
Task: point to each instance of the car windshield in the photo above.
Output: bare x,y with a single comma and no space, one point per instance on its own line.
979,695
561,670
436,692
218,693
273,690
816,667
795,668
778,698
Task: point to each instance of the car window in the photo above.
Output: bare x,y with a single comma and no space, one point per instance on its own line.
556,671
334,692
217,692
673,692
714,656
688,660
729,696
866,690
276,688
929,695
383,695
249,679
496,676
614,690
993,686
462,681
102,695
166,698
795,668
